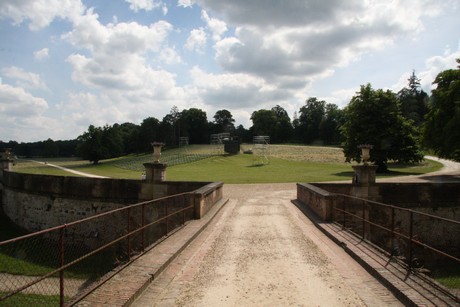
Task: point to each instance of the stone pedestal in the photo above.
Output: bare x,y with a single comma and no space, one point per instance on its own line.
364,174
6,164
364,182
155,172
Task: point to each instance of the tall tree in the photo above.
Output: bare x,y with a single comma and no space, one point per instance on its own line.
442,128
223,121
329,128
90,145
311,115
414,101
283,129
243,134
263,122
194,124
100,143
149,132
374,117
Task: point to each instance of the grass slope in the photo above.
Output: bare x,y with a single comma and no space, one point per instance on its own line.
286,163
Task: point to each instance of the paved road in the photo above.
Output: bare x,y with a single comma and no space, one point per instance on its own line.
260,251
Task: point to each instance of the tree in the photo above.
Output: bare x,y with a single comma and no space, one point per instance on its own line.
374,117
194,124
311,115
263,122
283,129
100,143
149,132
90,145
441,131
243,134
414,101
129,134
329,128
223,121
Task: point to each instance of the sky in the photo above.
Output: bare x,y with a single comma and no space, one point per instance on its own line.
68,64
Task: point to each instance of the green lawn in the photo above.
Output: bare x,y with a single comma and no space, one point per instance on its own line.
286,163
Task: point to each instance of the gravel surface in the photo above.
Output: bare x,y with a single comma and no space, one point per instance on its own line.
262,258
261,251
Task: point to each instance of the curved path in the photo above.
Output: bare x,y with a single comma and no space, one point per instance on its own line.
69,170
449,172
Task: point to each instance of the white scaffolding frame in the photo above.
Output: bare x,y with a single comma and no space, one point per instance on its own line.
217,142
261,149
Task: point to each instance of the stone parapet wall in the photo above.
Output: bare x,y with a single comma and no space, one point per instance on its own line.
36,202
119,190
206,197
427,201
317,199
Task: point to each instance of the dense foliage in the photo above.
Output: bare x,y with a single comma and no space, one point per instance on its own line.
442,128
374,117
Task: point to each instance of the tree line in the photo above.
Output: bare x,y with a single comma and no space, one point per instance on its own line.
398,125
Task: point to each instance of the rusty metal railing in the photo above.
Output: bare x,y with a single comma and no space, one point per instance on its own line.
427,244
60,265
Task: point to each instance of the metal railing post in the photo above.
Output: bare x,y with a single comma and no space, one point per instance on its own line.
364,219
167,218
411,221
392,231
185,203
142,231
61,264
129,234
344,210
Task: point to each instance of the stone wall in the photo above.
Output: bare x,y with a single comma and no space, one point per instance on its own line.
435,199
206,197
317,199
441,199
37,202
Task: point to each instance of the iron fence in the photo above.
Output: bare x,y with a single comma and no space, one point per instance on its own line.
60,265
426,244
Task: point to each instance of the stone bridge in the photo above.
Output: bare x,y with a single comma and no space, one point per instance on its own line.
262,247
262,244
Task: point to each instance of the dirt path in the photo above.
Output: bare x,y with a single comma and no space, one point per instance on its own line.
262,251
449,172
69,170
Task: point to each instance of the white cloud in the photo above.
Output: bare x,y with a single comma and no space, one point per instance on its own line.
23,78
16,102
41,54
293,43
147,5
117,64
216,26
433,66
196,40
170,56
39,13
118,52
185,3
164,9
235,91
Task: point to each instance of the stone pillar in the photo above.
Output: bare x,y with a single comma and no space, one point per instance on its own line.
155,172
364,182
6,162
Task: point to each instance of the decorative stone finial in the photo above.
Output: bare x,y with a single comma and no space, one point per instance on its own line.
365,152
157,151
